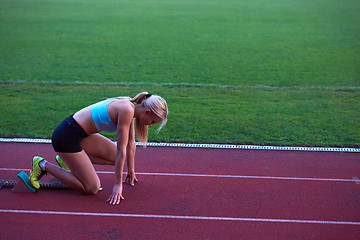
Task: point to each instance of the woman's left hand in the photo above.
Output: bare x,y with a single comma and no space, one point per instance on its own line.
131,178
116,195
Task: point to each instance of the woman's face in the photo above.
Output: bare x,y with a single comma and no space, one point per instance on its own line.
149,118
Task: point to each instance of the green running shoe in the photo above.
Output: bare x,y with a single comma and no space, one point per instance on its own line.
36,172
61,163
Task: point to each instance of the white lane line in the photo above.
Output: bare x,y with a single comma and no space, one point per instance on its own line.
176,217
14,169
216,176
249,177
212,146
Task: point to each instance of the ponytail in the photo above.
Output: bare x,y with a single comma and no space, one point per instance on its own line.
139,98
155,104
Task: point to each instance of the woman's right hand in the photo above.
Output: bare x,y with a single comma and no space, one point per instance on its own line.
131,178
116,195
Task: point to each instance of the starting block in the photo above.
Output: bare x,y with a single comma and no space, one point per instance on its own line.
25,186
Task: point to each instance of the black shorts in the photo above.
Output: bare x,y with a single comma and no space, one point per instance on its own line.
67,136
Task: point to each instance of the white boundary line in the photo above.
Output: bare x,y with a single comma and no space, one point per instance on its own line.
260,86
216,176
177,217
247,177
214,146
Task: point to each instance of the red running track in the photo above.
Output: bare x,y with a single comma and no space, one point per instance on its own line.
187,193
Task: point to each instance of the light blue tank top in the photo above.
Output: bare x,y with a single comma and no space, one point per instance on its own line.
101,118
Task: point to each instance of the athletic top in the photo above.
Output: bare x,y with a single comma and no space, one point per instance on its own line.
101,118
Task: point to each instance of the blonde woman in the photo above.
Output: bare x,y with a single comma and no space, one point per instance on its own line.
79,145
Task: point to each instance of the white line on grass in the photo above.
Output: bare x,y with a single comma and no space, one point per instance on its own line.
216,176
214,146
260,86
176,217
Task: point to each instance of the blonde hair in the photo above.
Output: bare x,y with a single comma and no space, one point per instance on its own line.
156,105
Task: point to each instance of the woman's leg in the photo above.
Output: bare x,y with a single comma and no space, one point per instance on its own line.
97,149
101,150
82,176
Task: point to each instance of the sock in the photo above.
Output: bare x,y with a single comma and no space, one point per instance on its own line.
42,164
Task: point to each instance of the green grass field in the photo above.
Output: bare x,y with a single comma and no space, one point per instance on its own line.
281,72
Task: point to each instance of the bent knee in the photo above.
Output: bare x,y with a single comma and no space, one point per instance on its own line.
92,190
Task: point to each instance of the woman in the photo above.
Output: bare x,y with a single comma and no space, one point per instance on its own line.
79,145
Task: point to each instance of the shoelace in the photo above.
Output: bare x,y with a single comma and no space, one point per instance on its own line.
40,173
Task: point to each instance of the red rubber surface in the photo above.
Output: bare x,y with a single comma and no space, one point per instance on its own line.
253,207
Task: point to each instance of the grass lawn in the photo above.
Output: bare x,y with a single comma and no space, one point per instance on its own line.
293,117
282,72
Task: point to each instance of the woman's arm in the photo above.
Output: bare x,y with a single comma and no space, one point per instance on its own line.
130,156
125,118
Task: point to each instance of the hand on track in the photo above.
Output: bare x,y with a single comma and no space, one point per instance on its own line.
131,178
116,195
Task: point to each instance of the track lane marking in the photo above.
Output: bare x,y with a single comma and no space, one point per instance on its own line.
177,217
217,176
